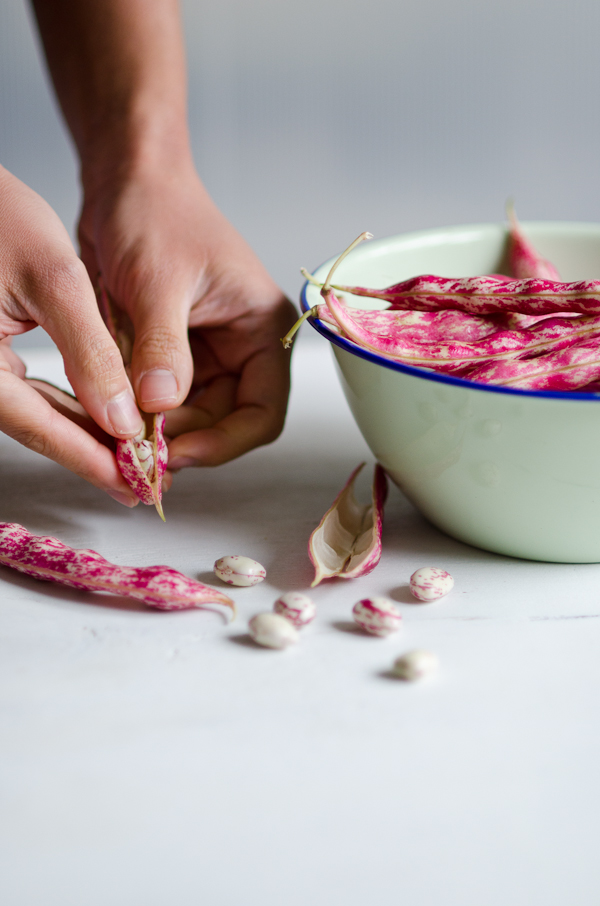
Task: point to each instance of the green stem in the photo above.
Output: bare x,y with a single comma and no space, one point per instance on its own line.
287,340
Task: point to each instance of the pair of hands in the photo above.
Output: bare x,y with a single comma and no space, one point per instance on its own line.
207,320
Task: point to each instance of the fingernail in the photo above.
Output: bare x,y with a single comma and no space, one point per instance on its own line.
182,462
123,498
158,386
123,414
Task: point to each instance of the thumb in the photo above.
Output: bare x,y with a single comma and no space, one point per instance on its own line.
161,364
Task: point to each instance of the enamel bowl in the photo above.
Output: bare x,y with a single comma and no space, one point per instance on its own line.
511,471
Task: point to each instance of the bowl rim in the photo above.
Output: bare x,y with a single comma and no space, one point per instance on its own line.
423,373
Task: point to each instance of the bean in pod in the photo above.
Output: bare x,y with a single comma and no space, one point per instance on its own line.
237,570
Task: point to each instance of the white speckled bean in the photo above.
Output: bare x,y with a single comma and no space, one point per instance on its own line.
379,616
415,665
297,608
272,630
430,583
237,570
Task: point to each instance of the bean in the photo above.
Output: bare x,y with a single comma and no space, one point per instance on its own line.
299,609
415,665
272,630
430,583
237,570
378,616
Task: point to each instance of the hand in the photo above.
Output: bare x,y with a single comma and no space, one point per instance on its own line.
207,318
42,281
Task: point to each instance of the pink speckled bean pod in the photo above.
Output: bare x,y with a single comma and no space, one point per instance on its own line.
569,369
487,295
523,259
347,542
380,332
52,561
143,461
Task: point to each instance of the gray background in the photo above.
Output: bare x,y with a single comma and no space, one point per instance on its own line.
313,121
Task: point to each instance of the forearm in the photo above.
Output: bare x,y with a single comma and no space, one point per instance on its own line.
118,67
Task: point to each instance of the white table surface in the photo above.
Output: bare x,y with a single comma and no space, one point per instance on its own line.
151,758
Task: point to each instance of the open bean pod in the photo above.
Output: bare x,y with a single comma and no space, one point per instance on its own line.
347,541
142,461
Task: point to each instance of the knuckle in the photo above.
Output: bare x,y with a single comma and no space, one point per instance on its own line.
102,361
55,281
158,343
64,277
32,439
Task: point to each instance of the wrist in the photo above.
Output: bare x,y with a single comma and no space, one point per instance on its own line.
130,142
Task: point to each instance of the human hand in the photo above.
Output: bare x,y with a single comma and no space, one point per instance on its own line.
42,281
207,318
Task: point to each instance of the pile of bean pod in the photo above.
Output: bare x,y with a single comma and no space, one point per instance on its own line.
528,330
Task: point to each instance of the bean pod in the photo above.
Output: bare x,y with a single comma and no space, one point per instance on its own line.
51,560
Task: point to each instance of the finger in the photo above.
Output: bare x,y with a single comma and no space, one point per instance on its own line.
10,361
28,418
257,419
63,303
208,406
70,408
161,364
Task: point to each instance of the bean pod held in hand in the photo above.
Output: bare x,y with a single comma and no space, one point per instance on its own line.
52,561
142,461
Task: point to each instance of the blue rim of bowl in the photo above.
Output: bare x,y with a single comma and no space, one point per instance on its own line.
347,345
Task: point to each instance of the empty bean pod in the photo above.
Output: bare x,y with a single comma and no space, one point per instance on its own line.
347,541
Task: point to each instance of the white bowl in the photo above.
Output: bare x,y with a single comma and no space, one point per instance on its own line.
511,471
